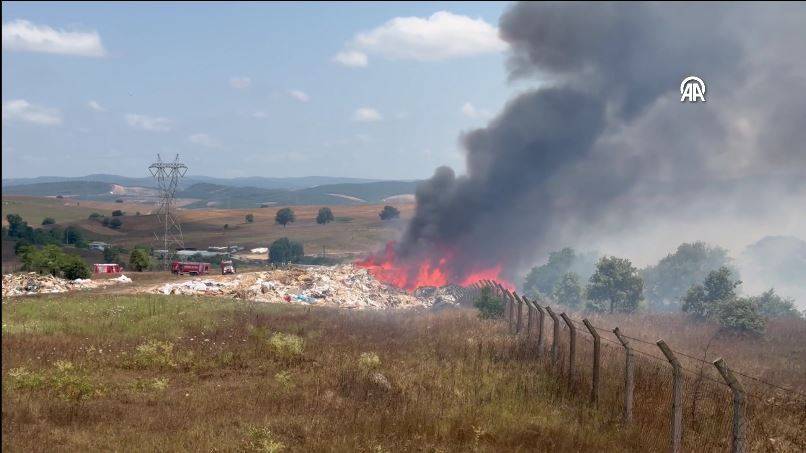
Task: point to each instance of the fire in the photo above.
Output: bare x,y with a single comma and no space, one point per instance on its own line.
431,271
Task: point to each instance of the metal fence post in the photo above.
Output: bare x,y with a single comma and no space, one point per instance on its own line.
555,351
519,309
572,348
677,397
629,376
541,315
738,444
529,315
597,352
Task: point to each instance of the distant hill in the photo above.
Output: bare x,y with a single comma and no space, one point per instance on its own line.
261,182
214,195
66,188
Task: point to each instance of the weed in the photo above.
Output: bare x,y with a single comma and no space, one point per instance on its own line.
263,440
287,347
23,379
369,361
284,379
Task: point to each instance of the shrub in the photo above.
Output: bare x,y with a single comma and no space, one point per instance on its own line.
287,347
284,250
139,260
772,305
262,440
369,361
52,260
115,223
154,354
702,300
95,216
117,213
48,221
489,307
389,212
250,218
74,267
739,315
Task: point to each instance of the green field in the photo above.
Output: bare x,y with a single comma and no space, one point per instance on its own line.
153,373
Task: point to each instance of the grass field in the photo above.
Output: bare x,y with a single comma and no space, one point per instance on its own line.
151,373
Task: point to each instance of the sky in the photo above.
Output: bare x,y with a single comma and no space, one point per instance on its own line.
379,91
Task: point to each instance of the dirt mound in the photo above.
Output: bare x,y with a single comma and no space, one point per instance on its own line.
344,286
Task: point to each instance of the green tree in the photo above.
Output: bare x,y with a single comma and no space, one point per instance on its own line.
73,267
772,305
739,315
115,223
95,216
74,236
718,286
117,213
616,281
543,279
48,221
489,306
21,245
389,212
139,260
284,251
568,290
250,218
325,216
285,216
666,283
110,255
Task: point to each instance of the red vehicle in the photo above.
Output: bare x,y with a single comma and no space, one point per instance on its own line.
107,268
183,267
227,267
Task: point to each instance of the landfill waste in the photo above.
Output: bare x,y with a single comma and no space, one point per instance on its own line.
33,283
259,250
343,286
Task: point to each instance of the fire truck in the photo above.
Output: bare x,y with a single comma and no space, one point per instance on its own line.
184,267
227,267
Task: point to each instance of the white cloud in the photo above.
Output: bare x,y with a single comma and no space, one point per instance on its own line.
441,36
96,106
260,114
351,58
203,140
148,123
240,82
299,95
470,111
21,35
22,110
367,115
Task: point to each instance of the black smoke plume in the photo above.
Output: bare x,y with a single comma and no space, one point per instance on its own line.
605,141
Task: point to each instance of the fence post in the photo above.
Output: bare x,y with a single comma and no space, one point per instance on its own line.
529,315
519,308
541,315
629,376
677,397
573,347
738,445
555,352
597,351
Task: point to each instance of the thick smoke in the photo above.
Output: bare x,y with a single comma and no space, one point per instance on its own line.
605,143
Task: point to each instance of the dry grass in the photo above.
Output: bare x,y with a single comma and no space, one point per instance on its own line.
100,372
153,373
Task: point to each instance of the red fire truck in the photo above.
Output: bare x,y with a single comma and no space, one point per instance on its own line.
183,267
107,268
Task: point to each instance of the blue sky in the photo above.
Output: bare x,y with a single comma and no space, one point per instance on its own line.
248,89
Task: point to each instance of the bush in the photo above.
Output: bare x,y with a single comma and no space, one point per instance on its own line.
389,212
702,300
95,216
287,347
284,251
772,305
739,315
250,218
325,216
139,260
74,267
48,221
568,290
489,307
115,223
105,222
117,213
285,216
73,235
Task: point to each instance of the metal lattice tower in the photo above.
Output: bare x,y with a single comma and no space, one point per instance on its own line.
168,175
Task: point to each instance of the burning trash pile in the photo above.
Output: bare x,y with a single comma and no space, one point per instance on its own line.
33,283
344,286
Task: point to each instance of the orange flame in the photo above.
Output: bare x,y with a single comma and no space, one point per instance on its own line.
387,268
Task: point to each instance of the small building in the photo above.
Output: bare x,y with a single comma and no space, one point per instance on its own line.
98,245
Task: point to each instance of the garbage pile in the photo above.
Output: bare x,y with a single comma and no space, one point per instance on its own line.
343,286
33,283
